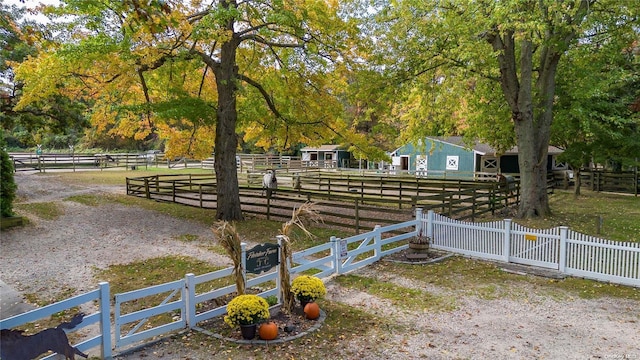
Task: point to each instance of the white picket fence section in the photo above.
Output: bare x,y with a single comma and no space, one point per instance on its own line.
559,248
591,257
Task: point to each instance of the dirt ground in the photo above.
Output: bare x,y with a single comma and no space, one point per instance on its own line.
49,256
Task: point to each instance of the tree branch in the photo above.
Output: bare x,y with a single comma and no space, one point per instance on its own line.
261,40
264,93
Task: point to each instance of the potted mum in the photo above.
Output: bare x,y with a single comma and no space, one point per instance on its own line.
307,289
246,311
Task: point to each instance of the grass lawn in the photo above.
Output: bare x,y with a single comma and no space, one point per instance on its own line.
618,215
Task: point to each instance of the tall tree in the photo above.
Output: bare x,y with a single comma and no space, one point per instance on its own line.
596,119
270,69
513,48
19,38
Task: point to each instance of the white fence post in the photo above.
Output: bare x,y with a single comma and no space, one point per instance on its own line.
335,248
507,239
377,238
105,320
419,226
562,264
243,260
430,216
280,239
190,298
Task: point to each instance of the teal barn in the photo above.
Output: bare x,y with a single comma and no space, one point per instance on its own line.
451,157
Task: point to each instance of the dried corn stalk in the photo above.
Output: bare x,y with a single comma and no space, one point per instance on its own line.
305,213
229,239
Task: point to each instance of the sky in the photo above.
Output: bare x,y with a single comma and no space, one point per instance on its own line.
30,4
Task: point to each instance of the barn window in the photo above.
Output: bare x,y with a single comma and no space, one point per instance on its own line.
421,165
490,163
558,165
452,162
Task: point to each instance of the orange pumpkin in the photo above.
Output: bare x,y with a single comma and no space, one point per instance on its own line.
312,311
268,331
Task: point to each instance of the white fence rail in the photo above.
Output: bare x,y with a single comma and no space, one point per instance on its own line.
568,252
101,317
169,305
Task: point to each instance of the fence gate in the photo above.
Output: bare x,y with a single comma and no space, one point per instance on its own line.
541,248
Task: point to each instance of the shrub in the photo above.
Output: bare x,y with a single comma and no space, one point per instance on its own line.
7,182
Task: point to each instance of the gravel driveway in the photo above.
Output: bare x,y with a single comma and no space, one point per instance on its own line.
50,256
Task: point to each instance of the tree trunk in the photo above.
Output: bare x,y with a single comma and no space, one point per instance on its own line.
532,130
226,142
532,107
533,173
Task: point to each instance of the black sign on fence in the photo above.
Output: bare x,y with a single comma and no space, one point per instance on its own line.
262,257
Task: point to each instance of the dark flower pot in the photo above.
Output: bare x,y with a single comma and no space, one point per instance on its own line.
248,331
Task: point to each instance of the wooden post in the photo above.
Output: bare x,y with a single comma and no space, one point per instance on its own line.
400,196
636,181
146,188
492,199
473,206
268,207
357,211
599,223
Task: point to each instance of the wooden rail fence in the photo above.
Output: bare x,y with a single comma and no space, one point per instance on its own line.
620,182
44,162
354,202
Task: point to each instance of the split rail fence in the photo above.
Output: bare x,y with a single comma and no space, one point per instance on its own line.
560,249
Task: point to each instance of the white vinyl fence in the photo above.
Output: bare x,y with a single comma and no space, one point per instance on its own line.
559,248
102,317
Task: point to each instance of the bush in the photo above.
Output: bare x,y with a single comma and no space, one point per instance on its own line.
7,183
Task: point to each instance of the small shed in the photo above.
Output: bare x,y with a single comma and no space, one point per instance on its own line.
451,156
327,156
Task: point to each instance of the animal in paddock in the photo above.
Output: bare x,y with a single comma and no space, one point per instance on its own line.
17,346
507,186
269,183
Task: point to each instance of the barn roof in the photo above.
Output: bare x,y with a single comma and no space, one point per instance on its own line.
485,149
323,148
